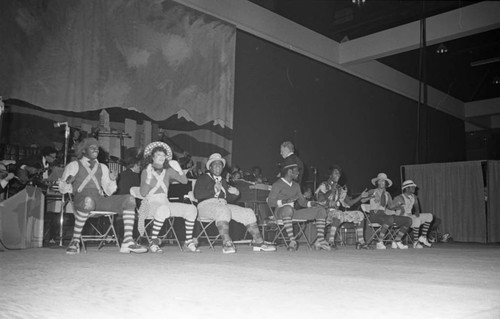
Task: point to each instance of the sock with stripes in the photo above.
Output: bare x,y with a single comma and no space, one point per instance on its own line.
360,234
287,223
415,233
320,229
189,225
128,225
157,225
80,219
333,232
425,229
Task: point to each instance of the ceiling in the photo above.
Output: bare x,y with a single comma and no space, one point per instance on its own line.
450,72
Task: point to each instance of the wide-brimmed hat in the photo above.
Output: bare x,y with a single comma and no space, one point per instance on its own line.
382,176
408,183
215,157
153,145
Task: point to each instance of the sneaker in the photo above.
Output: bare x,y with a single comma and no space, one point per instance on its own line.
132,247
73,247
190,246
263,247
398,244
154,247
228,248
322,245
417,245
380,245
292,246
422,240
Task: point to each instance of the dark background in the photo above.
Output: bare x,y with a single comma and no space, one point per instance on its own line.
332,117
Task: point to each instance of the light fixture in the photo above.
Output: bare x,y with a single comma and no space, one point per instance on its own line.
496,80
359,3
441,49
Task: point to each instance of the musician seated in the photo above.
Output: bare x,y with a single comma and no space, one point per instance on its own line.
5,177
36,169
256,176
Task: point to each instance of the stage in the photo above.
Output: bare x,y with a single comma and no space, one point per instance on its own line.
450,280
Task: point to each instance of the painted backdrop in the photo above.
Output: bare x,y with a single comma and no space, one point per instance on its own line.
159,58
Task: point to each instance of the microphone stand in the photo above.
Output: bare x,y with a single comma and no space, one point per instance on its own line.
66,138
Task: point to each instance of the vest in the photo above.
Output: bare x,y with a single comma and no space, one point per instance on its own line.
408,205
82,175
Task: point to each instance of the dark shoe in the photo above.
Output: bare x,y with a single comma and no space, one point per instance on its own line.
321,245
73,247
292,246
361,246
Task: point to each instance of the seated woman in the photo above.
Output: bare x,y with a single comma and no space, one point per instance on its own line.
155,179
333,196
382,212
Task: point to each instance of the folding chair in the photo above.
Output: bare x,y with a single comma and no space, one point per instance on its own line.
134,191
299,224
346,231
377,228
103,237
204,224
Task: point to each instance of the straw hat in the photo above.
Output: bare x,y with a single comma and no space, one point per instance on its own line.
153,145
382,176
215,157
408,183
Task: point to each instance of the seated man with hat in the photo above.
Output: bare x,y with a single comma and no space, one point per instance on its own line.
411,208
160,171
89,181
213,194
382,212
284,193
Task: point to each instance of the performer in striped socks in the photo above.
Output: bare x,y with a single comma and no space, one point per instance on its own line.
89,180
155,179
284,192
411,208
336,199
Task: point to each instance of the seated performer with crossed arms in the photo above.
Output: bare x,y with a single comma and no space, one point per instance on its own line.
155,179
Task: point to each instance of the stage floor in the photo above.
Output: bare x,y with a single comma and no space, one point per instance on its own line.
450,280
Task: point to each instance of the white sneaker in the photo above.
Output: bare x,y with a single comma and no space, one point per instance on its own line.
417,245
132,247
380,245
398,244
424,241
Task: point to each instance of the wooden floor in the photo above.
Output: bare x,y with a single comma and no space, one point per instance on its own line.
450,280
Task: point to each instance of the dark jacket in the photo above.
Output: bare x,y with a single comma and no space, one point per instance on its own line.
204,189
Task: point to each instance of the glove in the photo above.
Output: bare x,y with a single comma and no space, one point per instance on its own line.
149,174
175,165
233,190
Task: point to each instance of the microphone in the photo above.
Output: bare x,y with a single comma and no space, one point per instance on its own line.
59,124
